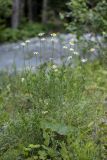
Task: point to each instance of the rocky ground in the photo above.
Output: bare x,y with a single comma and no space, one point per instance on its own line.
37,51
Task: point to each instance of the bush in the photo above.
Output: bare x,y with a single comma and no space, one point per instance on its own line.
87,16
26,31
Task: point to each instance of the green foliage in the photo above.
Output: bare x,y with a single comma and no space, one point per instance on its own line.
58,5
5,8
26,31
54,114
87,16
5,13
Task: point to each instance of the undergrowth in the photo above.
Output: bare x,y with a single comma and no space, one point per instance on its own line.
55,112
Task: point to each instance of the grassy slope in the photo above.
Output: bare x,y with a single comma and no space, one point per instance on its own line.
59,108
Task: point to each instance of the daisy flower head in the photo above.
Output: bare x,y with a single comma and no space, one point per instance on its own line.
75,53
65,47
41,34
27,41
69,58
53,34
71,42
92,49
54,66
104,33
56,70
71,49
35,53
22,79
43,39
84,60
23,44
44,112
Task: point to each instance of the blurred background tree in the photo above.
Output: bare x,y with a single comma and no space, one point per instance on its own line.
5,12
16,13
87,16
26,18
20,19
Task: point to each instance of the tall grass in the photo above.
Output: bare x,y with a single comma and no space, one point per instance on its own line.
57,112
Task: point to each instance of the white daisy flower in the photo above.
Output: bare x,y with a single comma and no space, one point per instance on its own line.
76,53
56,70
53,34
92,49
35,53
23,44
44,112
54,66
43,39
27,41
65,47
41,34
71,49
84,60
69,58
22,79
71,42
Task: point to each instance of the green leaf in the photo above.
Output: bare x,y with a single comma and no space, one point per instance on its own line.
34,146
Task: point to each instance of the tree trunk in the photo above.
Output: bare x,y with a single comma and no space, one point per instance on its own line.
30,16
44,11
22,10
16,13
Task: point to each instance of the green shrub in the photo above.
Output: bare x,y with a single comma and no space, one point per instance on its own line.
87,16
26,31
